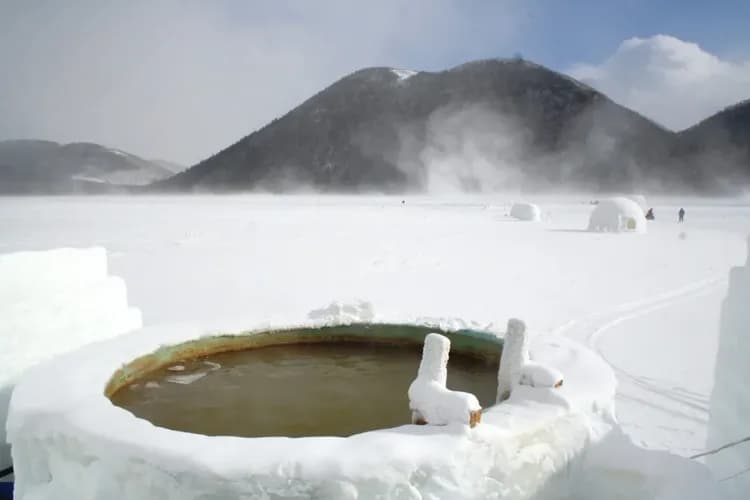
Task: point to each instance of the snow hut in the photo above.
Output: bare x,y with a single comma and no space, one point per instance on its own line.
617,215
640,200
526,211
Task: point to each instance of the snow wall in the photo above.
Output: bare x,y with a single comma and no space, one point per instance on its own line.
730,399
52,302
526,211
617,215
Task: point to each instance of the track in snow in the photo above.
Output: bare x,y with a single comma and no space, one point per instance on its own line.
677,416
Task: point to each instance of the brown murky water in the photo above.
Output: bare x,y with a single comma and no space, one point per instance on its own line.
337,389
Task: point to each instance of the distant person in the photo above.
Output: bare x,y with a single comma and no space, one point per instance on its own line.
650,214
681,215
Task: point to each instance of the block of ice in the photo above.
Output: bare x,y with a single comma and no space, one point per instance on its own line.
53,302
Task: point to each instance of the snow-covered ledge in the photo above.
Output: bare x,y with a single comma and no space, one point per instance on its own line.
70,441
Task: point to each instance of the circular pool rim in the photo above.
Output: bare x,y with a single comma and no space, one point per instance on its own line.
466,342
69,440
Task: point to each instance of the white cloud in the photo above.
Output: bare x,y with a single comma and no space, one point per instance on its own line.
673,82
182,79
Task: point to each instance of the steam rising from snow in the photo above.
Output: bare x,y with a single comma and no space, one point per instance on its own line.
475,148
467,149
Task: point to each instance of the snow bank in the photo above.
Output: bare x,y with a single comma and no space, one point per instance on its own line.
617,215
526,211
69,441
614,468
730,399
52,302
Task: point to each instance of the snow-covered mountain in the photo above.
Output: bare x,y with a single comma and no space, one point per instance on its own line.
484,125
30,166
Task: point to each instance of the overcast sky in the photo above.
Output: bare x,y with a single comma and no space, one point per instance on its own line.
180,80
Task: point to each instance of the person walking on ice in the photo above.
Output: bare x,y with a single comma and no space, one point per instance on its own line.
681,215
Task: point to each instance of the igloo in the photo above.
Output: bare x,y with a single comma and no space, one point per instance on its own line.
617,215
526,211
640,200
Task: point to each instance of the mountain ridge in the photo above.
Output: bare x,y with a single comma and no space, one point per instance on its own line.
29,166
485,125
482,125
369,130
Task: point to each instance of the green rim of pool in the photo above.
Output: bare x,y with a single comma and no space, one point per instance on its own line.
309,381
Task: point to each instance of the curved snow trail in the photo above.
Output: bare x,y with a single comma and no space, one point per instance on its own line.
641,308
656,413
636,308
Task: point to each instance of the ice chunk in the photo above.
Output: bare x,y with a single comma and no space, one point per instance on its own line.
53,302
27,275
186,379
730,399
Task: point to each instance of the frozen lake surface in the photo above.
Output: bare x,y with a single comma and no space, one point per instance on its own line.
649,304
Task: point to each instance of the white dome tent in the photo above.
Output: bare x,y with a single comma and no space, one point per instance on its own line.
617,215
526,212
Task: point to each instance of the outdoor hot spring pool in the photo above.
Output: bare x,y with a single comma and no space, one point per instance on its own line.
334,381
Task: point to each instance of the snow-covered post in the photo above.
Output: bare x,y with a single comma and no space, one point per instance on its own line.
434,364
515,356
430,401
432,368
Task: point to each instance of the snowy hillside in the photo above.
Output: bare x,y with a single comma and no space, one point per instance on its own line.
45,167
482,126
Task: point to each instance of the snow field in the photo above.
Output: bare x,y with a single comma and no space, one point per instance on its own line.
250,260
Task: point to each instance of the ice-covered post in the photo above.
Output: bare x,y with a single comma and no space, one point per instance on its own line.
515,356
430,401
